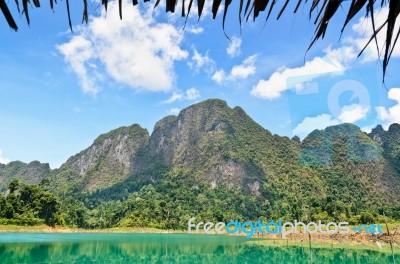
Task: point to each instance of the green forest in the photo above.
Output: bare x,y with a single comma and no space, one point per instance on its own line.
169,205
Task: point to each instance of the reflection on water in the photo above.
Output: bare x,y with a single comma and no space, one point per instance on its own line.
168,248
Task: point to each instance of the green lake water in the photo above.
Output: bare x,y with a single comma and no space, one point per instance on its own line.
168,248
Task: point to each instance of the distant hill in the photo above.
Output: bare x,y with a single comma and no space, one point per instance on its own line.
33,172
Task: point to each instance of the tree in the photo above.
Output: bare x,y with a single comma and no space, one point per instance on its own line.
323,11
31,205
13,186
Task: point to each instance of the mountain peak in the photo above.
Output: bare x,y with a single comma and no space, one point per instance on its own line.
378,128
394,128
213,102
109,159
132,129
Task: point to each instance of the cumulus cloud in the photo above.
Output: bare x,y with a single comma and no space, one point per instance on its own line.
3,159
190,95
218,76
174,97
78,52
195,30
309,124
173,111
136,51
353,113
241,71
245,69
233,49
334,61
199,61
349,114
392,114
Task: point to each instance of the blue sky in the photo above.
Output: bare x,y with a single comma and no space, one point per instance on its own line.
59,90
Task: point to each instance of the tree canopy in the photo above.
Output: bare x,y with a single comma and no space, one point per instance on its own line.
320,13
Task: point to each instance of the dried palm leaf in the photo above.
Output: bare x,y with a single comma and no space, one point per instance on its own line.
7,14
326,9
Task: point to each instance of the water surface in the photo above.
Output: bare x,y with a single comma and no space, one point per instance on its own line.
168,248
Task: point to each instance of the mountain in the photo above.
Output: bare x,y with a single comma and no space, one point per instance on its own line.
216,162
353,165
338,144
110,159
33,172
220,144
390,142
223,145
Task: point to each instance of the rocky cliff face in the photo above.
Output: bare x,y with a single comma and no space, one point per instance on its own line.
110,159
202,138
33,172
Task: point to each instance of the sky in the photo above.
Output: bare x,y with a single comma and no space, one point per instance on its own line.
59,89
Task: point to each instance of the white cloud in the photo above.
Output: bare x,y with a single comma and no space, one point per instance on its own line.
174,97
190,95
136,51
353,113
309,124
368,129
233,49
349,114
199,61
218,76
241,71
77,52
364,30
173,111
245,69
3,159
334,61
392,114
195,30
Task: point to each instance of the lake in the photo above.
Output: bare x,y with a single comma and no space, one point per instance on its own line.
168,248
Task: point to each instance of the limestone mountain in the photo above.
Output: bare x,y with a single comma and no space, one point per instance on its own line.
111,158
220,144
